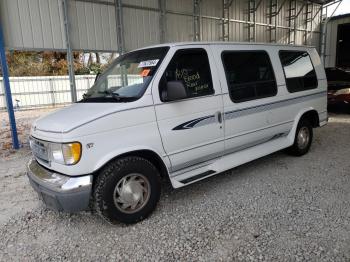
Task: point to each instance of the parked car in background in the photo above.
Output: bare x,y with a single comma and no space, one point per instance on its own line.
338,88
186,111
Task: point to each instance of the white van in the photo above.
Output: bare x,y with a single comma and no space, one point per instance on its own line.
185,111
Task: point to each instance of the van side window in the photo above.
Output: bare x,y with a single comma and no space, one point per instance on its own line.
298,70
191,68
249,75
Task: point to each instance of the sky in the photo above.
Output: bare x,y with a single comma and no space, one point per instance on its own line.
344,8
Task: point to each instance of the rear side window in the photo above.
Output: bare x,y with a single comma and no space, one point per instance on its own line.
249,75
191,67
298,70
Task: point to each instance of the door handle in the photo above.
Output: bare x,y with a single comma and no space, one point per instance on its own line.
218,116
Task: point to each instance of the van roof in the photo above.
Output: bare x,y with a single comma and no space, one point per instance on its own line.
224,43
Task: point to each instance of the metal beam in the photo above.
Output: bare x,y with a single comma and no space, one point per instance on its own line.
162,21
119,26
301,9
257,5
292,21
69,51
279,9
7,90
225,24
196,20
252,19
272,16
308,22
317,13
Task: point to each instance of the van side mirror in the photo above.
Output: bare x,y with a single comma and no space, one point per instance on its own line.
174,90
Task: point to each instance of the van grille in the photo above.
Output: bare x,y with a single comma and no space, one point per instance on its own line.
40,150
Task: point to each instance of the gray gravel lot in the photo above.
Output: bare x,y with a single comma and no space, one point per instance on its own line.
277,208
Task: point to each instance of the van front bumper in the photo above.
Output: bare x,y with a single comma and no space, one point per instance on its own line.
60,192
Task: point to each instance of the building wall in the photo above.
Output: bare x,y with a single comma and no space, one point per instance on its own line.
331,40
38,24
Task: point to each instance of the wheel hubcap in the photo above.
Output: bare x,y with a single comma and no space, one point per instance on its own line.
131,193
303,137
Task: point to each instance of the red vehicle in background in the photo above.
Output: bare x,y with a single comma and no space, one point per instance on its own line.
338,88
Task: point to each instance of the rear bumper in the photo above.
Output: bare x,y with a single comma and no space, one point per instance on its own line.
60,192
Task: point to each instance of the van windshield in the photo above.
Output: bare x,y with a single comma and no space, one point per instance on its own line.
127,78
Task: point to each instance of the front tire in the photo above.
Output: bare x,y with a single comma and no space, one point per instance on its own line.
303,138
127,190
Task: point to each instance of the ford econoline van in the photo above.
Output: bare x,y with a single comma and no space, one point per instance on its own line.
186,111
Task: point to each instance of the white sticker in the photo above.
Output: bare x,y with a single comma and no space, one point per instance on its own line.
148,63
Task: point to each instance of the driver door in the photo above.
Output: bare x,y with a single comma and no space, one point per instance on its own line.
191,128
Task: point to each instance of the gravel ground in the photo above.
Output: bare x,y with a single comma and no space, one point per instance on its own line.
277,208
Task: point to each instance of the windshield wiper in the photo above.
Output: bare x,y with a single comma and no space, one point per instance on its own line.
114,95
111,96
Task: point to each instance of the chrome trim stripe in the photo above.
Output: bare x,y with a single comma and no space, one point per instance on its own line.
230,137
207,120
225,153
260,129
197,161
273,105
197,146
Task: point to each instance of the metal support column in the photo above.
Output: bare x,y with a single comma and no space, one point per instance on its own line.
272,16
225,24
295,21
252,9
119,26
162,20
252,21
69,52
120,37
308,22
292,21
196,20
7,89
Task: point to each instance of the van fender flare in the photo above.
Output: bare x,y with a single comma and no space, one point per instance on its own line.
297,118
116,153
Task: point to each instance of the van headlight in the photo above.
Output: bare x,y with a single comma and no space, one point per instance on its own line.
66,154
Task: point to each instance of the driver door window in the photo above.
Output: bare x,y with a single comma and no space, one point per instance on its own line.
191,68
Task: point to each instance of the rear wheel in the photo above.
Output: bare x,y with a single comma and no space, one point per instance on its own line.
127,190
303,138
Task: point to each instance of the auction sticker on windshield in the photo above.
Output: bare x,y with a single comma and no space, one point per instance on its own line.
148,63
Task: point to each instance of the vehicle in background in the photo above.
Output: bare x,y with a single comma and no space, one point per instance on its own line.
338,88
185,111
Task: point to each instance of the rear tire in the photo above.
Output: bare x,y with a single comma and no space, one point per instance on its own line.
127,190
303,138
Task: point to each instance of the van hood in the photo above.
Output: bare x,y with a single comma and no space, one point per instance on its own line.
76,115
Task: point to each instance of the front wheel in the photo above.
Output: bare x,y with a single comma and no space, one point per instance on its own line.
303,138
127,190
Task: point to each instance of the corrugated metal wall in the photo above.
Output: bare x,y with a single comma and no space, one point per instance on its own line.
93,26
33,24
331,40
38,24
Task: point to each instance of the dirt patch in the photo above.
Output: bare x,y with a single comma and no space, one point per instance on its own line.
24,120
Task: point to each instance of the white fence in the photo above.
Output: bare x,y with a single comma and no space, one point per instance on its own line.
50,91
43,91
